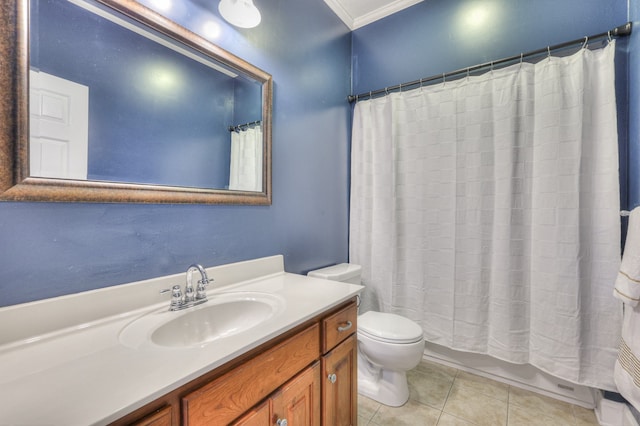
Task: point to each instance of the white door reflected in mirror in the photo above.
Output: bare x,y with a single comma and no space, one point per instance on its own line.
59,127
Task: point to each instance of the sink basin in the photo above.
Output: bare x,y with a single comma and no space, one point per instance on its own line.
224,315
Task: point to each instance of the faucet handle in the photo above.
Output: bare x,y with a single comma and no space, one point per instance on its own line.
176,297
201,292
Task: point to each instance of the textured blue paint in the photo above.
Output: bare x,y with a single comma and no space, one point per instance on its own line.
437,36
135,119
53,249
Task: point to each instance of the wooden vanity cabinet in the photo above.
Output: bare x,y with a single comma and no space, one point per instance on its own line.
340,369
307,376
298,402
162,417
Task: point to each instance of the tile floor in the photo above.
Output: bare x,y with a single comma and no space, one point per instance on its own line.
445,396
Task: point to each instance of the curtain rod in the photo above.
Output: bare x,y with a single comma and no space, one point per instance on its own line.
245,126
621,31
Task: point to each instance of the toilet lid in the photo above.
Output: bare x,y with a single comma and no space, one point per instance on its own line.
389,327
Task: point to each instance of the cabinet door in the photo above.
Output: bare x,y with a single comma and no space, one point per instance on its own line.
300,399
339,385
259,416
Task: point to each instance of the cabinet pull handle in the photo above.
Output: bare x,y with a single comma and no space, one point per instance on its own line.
281,422
332,378
345,327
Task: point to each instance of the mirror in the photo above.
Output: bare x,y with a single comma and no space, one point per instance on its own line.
115,103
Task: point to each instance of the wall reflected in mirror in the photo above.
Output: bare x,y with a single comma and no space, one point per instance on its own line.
113,101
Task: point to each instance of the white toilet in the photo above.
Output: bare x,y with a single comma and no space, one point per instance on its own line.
388,345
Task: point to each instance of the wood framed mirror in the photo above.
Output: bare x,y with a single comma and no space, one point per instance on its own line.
166,156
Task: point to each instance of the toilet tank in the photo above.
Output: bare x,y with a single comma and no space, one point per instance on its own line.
345,272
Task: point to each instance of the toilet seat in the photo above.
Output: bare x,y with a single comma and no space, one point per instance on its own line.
389,328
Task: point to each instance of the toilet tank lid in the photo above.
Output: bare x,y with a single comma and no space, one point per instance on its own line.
389,327
340,272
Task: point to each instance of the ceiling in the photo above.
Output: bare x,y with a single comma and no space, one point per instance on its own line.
358,13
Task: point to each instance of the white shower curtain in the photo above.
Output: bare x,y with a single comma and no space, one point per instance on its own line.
487,210
245,172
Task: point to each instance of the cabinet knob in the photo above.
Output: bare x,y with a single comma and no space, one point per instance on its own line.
345,327
332,378
281,422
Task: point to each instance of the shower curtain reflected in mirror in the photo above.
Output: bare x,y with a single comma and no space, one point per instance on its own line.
245,171
487,210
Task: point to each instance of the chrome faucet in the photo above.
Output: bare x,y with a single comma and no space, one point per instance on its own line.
189,299
201,287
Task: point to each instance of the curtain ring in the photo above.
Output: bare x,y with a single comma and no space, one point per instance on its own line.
444,78
400,87
386,90
609,36
370,94
586,40
549,52
468,72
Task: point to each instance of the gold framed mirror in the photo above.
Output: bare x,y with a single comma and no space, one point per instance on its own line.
24,178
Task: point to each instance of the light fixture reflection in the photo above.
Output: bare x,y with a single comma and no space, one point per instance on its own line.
477,16
163,79
241,13
211,30
162,5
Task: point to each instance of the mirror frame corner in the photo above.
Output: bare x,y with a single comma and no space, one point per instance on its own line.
15,182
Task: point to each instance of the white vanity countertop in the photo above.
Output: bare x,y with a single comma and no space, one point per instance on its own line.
82,374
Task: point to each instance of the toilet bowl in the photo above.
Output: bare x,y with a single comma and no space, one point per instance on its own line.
388,345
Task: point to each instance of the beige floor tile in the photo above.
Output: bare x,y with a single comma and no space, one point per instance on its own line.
467,399
411,414
524,416
483,385
430,389
434,369
362,421
559,410
449,420
584,416
367,407
467,403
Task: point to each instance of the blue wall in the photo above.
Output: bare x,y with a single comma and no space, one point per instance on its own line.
143,98
51,249
438,36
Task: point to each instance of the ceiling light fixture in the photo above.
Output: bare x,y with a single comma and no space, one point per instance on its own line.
241,13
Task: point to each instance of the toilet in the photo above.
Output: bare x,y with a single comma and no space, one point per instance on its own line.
388,345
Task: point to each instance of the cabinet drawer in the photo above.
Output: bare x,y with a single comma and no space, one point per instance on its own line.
232,394
339,326
161,417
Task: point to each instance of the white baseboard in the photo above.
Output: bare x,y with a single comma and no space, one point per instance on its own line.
520,375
